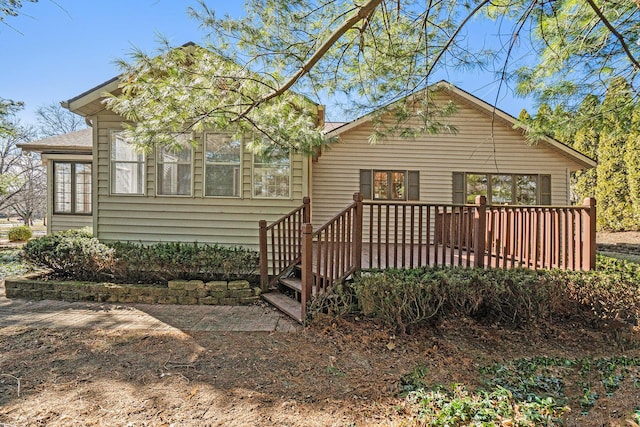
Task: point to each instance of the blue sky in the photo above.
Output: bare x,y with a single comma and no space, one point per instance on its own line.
56,50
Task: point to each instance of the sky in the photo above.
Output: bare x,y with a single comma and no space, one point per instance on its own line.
55,50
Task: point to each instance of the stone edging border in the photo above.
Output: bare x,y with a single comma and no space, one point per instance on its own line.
185,292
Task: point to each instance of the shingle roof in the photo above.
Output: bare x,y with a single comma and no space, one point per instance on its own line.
80,140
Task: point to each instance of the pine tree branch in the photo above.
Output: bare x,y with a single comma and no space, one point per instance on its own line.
616,34
363,12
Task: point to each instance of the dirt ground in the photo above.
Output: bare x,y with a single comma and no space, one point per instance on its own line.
330,374
632,237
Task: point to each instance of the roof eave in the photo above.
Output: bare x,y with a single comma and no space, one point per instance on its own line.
47,149
77,104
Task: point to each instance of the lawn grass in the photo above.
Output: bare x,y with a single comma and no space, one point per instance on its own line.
625,257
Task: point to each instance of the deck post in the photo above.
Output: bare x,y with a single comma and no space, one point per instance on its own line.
357,232
589,234
479,231
264,258
306,210
306,267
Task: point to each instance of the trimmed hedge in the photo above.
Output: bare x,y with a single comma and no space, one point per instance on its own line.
76,255
401,299
162,262
72,254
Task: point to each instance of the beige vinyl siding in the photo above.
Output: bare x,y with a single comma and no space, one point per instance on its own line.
66,222
152,218
336,174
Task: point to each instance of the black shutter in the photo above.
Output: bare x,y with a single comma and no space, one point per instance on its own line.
545,189
365,184
458,188
413,185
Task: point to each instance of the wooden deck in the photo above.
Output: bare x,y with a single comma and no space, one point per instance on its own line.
411,256
382,234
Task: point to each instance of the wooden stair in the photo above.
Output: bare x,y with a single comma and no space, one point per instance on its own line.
285,304
286,297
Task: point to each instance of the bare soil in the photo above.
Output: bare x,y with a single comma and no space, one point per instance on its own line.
632,237
333,373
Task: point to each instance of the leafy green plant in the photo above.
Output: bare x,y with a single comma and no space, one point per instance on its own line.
12,263
413,380
460,407
20,233
540,377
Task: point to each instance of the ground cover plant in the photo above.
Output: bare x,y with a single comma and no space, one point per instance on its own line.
12,263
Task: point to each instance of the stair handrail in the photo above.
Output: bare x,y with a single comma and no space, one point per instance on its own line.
349,252
284,238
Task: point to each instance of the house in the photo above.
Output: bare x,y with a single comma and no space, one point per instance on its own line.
196,195
444,198
485,156
68,159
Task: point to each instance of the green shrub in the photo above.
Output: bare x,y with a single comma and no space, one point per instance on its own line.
612,291
161,262
77,255
20,233
402,298
72,253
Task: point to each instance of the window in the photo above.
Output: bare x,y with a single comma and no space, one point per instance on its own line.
502,189
174,169
390,184
72,188
222,166
127,167
272,174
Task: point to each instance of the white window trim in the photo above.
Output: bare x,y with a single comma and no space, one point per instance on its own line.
157,175
112,135
253,184
205,163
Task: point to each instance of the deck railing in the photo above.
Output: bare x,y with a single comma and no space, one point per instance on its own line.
412,234
541,237
281,243
332,252
377,234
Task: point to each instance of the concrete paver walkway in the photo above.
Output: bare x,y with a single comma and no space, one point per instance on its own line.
161,317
